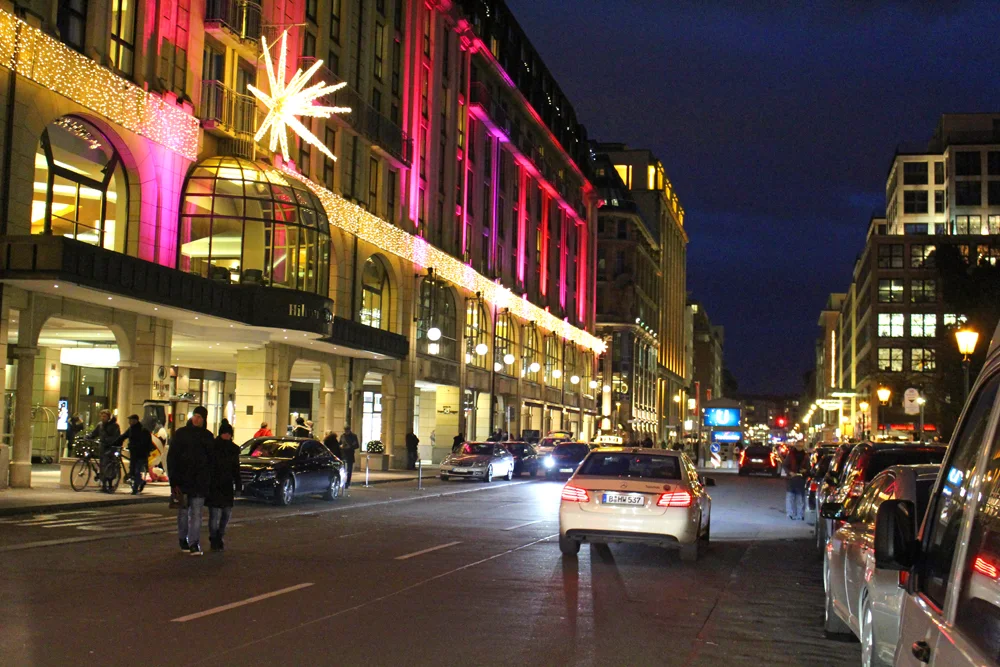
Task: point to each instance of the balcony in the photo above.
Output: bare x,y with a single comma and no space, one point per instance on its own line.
359,336
236,23
227,114
364,119
496,115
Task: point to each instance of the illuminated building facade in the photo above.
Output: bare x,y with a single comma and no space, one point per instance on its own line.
158,251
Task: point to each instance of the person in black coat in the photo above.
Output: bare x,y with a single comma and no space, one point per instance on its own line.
73,429
456,443
411,450
331,443
301,431
190,477
140,444
224,460
348,445
106,433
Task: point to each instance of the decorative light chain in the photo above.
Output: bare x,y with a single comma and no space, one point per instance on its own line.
50,63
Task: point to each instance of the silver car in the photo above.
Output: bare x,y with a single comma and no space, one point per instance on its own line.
479,460
860,599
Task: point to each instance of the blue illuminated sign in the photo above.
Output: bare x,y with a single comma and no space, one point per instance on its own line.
726,436
722,416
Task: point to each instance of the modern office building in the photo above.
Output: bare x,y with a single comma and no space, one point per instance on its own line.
424,261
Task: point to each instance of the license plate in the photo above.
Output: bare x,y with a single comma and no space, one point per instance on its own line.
624,499
756,460
461,470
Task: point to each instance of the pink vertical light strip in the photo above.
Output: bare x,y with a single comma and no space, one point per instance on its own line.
582,253
495,183
563,257
464,163
522,220
544,261
412,90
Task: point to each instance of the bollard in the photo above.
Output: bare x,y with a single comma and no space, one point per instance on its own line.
420,475
367,458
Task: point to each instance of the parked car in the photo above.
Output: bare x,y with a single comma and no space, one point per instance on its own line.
951,605
282,468
479,460
548,443
814,477
857,600
759,458
828,485
650,496
525,457
564,458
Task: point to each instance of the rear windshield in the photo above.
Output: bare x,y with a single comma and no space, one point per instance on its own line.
882,460
641,466
577,451
478,448
758,450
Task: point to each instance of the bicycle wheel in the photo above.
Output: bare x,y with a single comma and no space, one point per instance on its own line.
116,477
79,476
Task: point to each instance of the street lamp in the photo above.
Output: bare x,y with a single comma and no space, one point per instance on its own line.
967,339
883,394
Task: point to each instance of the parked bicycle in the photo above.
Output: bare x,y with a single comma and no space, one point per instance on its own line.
87,468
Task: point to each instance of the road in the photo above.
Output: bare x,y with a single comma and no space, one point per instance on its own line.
459,573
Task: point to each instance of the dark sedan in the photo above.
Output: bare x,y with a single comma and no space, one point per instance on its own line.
279,469
759,458
525,457
564,458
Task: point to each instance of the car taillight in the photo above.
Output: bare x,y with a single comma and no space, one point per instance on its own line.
857,488
813,486
675,499
984,566
743,456
574,494
904,577
774,460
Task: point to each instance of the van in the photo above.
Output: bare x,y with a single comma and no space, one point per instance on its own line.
949,560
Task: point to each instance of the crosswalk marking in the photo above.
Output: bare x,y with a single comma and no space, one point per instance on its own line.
91,520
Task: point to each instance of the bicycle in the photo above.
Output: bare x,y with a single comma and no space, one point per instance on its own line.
88,466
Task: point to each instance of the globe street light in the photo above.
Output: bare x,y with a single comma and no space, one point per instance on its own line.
966,339
482,349
433,334
883,394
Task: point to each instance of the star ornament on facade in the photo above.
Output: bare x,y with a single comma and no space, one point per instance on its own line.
291,99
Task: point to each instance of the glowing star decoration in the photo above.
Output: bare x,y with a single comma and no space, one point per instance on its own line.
290,99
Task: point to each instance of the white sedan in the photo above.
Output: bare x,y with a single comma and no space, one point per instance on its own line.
478,460
650,496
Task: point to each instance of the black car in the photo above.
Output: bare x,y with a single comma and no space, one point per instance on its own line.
564,458
760,458
281,468
525,457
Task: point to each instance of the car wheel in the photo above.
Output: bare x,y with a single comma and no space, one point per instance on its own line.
533,473
489,474
286,492
333,491
690,552
444,478
706,536
833,627
510,473
869,652
569,546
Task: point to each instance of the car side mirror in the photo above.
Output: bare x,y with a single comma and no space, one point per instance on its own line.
896,546
832,510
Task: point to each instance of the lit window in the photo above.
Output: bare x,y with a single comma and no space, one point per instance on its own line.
922,360
923,325
891,325
890,359
375,301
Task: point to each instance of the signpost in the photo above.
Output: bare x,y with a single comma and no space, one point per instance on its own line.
910,404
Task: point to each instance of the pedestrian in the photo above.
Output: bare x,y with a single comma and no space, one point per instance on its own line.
411,450
106,433
224,460
300,428
647,442
140,444
349,445
333,444
795,484
73,429
190,478
457,442
264,431
309,426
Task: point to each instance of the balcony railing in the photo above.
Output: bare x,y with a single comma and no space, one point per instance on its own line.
225,109
364,119
242,18
480,94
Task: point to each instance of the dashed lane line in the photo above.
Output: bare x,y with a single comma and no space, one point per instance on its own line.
427,551
241,603
522,525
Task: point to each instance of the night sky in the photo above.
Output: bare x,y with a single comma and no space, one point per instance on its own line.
777,127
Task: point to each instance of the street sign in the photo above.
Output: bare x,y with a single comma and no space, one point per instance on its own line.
910,405
715,447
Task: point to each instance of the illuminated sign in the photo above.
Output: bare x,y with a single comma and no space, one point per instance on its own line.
722,416
726,436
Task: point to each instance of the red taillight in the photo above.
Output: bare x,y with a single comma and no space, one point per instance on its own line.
743,456
574,494
856,489
983,566
904,577
675,499
813,486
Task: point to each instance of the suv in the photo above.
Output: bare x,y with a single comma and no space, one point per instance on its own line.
760,458
951,609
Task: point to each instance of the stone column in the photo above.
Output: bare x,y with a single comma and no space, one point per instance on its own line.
283,407
255,392
329,396
395,446
20,465
126,371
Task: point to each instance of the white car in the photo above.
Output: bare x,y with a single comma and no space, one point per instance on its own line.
650,496
479,460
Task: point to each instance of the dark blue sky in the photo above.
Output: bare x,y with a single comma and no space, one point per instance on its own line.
777,127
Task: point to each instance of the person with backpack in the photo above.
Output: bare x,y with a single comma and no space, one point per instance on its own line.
224,462
795,484
348,445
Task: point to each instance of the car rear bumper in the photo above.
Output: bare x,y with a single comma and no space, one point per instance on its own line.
673,527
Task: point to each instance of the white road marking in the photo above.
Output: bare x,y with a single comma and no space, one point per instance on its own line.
522,525
241,603
427,551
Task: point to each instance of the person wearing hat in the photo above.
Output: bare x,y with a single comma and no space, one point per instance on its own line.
190,477
301,431
224,458
140,444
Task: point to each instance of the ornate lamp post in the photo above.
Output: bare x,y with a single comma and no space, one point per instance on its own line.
966,339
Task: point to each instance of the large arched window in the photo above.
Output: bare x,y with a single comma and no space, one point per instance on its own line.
553,362
531,358
476,334
570,370
375,301
242,223
505,344
80,190
436,310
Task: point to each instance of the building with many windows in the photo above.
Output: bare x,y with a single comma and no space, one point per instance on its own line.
417,255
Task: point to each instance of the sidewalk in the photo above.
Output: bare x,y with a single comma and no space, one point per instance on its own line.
45,494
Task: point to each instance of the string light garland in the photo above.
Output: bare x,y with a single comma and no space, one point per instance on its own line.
368,227
290,99
50,63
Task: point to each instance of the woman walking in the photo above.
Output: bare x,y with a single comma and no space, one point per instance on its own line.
224,457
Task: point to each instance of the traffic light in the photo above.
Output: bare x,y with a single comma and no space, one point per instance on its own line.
781,422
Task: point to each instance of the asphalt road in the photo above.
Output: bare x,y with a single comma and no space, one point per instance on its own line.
459,573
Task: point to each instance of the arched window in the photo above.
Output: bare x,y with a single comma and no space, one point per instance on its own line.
553,362
242,223
586,372
476,334
505,344
80,190
375,302
436,310
570,369
531,358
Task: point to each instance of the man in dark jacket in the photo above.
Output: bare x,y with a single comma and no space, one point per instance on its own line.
140,444
73,429
301,431
106,433
456,443
224,458
190,477
795,484
333,444
411,450
348,445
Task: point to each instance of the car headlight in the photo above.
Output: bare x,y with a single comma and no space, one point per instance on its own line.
549,462
479,464
264,475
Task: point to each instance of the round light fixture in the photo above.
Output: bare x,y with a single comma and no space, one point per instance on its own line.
593,384
557,373
433,334
574,379
534,367
481,349
606,388
508,358
433,348
498,367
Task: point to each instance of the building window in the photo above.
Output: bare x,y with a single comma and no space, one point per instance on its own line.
890,256
922,256
311,10
968,193
915,228
476,334
241,223
891,325
939,201
330,139
335,6
374,169
923,291
379,50
426,32
71,19
505,343
622,229
305,156
309,45
993,193
436,309
968,163
123,35
371,417
530,354
993,163
553,362
922,360
914,173
890,359
81,191
923,325
994,224
952,320
390,195
375,294
915,201
938,173
890,291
